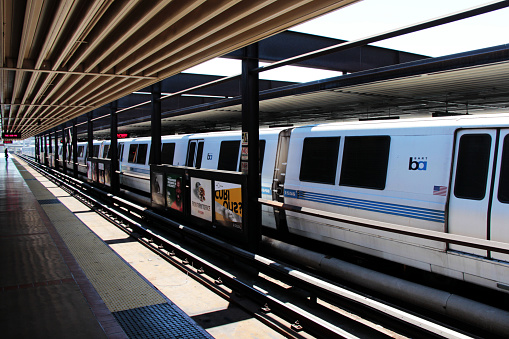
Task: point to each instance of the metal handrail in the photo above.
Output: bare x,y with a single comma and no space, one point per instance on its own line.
483,244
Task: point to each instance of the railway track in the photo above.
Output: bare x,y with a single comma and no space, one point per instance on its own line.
293,302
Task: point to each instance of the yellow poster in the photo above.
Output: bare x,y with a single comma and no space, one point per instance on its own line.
228,204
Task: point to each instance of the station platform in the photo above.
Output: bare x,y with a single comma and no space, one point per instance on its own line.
58,279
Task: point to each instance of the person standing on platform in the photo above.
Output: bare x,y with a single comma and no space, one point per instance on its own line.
6,153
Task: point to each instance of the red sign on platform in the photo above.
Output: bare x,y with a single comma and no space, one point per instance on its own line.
11,136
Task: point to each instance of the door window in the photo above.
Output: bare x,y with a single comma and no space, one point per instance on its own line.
472,166
194,153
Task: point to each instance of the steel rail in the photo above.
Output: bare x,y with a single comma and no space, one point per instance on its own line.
158,243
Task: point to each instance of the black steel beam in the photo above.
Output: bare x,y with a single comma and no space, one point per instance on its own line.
486,8
45,141
480,57
486,56
37,149
155,124
115,181
90,134
50,146
250,141
289,44
56,147
64,150
74,148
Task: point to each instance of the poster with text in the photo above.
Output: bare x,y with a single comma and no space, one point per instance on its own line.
201,200
228,204
175,192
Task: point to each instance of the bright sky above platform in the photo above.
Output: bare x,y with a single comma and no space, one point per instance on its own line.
370,17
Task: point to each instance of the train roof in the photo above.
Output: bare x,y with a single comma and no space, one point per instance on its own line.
499,120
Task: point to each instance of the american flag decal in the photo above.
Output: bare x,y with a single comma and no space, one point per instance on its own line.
440,190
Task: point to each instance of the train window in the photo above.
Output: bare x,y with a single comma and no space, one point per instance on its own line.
190,154
106,150
96,150
120,151
199,154
261,146
80,151
195,153
319,160
167,153
133,149
262,153
365,161
472,166
228,155
503,187
141,158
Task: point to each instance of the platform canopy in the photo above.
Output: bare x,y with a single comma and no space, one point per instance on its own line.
61,59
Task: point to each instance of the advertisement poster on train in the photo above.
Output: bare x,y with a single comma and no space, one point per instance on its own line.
228,204
201,200
174,192
158,188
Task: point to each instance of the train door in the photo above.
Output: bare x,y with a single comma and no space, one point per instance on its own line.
278,184
470,195
194,153
499,227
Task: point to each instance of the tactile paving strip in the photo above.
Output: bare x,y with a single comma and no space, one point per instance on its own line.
49,201
120,287
139,309
158,321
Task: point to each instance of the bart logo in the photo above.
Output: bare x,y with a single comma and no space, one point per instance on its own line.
415,165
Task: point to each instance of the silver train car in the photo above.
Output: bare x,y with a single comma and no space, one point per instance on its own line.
447,174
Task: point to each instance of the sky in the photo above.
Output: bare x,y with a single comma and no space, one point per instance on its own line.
370,17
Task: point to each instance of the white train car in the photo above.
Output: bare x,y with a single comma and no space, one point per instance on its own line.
134,159
217,150
448,175
222,151
28,151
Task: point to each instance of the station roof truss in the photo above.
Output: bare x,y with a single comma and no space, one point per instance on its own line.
384,84
473,82
61,59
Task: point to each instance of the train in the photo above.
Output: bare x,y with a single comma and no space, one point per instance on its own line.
447,174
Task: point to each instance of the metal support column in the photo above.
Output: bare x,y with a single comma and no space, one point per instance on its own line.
115,182
250,157
90,135
75,148
155,124
50,145
37,158
56,147
45,142
64,150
